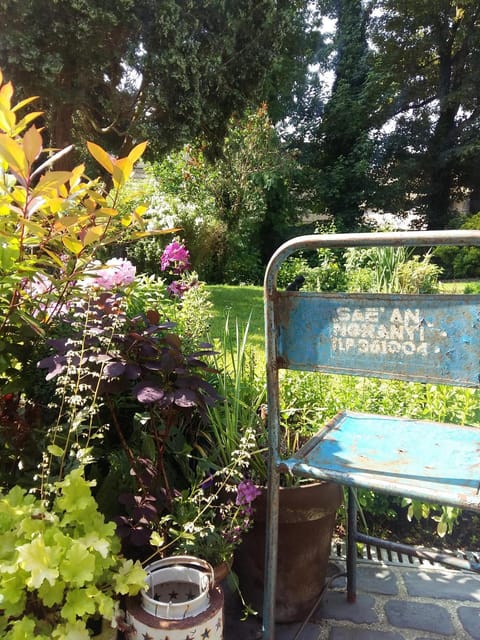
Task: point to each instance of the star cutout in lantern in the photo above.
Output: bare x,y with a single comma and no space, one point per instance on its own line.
206,634
173,595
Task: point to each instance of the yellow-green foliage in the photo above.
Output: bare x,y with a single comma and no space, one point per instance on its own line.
52,224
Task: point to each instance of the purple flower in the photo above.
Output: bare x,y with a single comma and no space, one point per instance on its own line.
177,288
206,484
246,492
175,257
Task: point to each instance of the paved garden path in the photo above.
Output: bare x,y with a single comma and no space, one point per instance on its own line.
394,602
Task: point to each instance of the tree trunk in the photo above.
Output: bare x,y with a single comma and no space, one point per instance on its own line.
61,125
440,163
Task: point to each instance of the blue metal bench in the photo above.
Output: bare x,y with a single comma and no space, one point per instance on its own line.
423,338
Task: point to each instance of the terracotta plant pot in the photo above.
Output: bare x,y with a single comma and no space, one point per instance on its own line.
306,525
221,571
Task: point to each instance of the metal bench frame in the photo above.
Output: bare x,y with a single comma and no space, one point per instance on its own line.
430,339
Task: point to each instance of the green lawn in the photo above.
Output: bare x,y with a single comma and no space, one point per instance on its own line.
457,286
239,303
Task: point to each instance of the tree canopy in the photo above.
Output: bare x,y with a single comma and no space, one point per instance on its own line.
399,131
162,70
428,54
341,147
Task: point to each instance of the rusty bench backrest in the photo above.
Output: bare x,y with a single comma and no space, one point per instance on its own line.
425,338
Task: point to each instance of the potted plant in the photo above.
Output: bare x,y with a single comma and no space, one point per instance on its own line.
60,563
307,509
206,520
209,519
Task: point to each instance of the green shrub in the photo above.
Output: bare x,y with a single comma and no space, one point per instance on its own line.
233,211
386,269
390,270
461,262
322,272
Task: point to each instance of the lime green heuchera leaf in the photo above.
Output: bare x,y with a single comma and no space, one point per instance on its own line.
12,594
79,602
32,527
129,575
52,594
105,530
8,550
75,630
27,628
39,561
17,497
23,629
78,565
106,606
75,495
99,541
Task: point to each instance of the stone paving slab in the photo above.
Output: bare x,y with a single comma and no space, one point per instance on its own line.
393,603
420,616
442,584
470,619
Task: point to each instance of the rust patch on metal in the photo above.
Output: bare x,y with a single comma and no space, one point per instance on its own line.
284,305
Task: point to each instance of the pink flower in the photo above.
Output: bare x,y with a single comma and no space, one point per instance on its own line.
176,257
116,272
44,295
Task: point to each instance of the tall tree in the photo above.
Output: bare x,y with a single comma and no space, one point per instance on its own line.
69,53
428,52
341,146
166,70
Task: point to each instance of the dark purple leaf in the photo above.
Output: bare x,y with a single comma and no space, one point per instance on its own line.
147,393
124,528
209,389
168,361
166,326
148,350
173,340
146,511
194,362
140,536
153,365
153,316
128,499
59,344
54,364
114,369
185,398
101,357
132,371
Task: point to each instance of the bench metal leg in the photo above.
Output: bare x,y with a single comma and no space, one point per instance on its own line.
271,553
352,545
